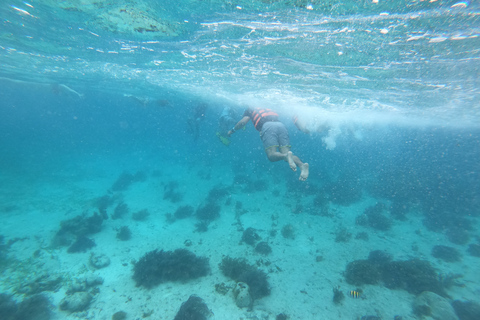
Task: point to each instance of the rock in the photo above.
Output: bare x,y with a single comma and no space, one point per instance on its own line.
433,306
83,284
99,261
242,295
79,301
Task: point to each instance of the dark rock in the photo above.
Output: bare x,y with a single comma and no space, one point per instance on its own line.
120,315
141,215
78,301
36,307
263,248
156,267
288,231
120,211
124,233
466,310
83,244
362,272
445,253
194,309
208,212
239,270
250,236
379,257
183,212
474,250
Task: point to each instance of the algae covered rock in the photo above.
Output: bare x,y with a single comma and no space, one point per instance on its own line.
156,267
78,301
194,308
432,305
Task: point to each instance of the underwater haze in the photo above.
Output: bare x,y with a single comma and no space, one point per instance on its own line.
123,196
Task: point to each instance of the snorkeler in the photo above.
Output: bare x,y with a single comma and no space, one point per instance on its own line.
225,122
274,135
193,121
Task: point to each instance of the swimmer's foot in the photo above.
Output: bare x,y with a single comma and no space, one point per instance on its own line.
304,172
291,163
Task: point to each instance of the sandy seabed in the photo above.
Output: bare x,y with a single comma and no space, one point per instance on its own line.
302,271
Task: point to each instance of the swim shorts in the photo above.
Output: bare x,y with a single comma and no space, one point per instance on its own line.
274,134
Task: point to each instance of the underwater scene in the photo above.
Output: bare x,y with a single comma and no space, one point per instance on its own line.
250,159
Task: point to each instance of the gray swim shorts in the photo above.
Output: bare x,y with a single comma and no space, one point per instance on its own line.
274,134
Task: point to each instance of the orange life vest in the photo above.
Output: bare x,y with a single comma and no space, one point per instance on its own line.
260,116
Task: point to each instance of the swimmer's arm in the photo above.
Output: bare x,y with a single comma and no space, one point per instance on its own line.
239,125
301,125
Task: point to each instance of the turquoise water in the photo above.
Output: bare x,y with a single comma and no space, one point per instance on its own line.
99,106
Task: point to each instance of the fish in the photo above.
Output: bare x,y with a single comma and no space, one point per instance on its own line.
354,294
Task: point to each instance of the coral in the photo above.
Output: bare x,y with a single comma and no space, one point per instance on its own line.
240,271
222,288
120,211
120,315
78,301
474,250
257,281
457,235
445,253
414,276
373,217
361,272
298,208
250,236
466,310
362,236
202,226
263,248
288,231
208,212
82,284
124,233
338,295
126,179
345,191
183,212
233,268
40,283
82,225
99,261
281,316
450,279
195,309
342,235
241,293
217,193
82,244
257,186
156,267
171,193
399,210
433,305
36,307
379,257
8,307
103,203
141,215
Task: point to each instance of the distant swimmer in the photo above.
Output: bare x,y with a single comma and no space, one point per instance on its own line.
61,88
274,135
225,122
146,101
57,88
195,118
